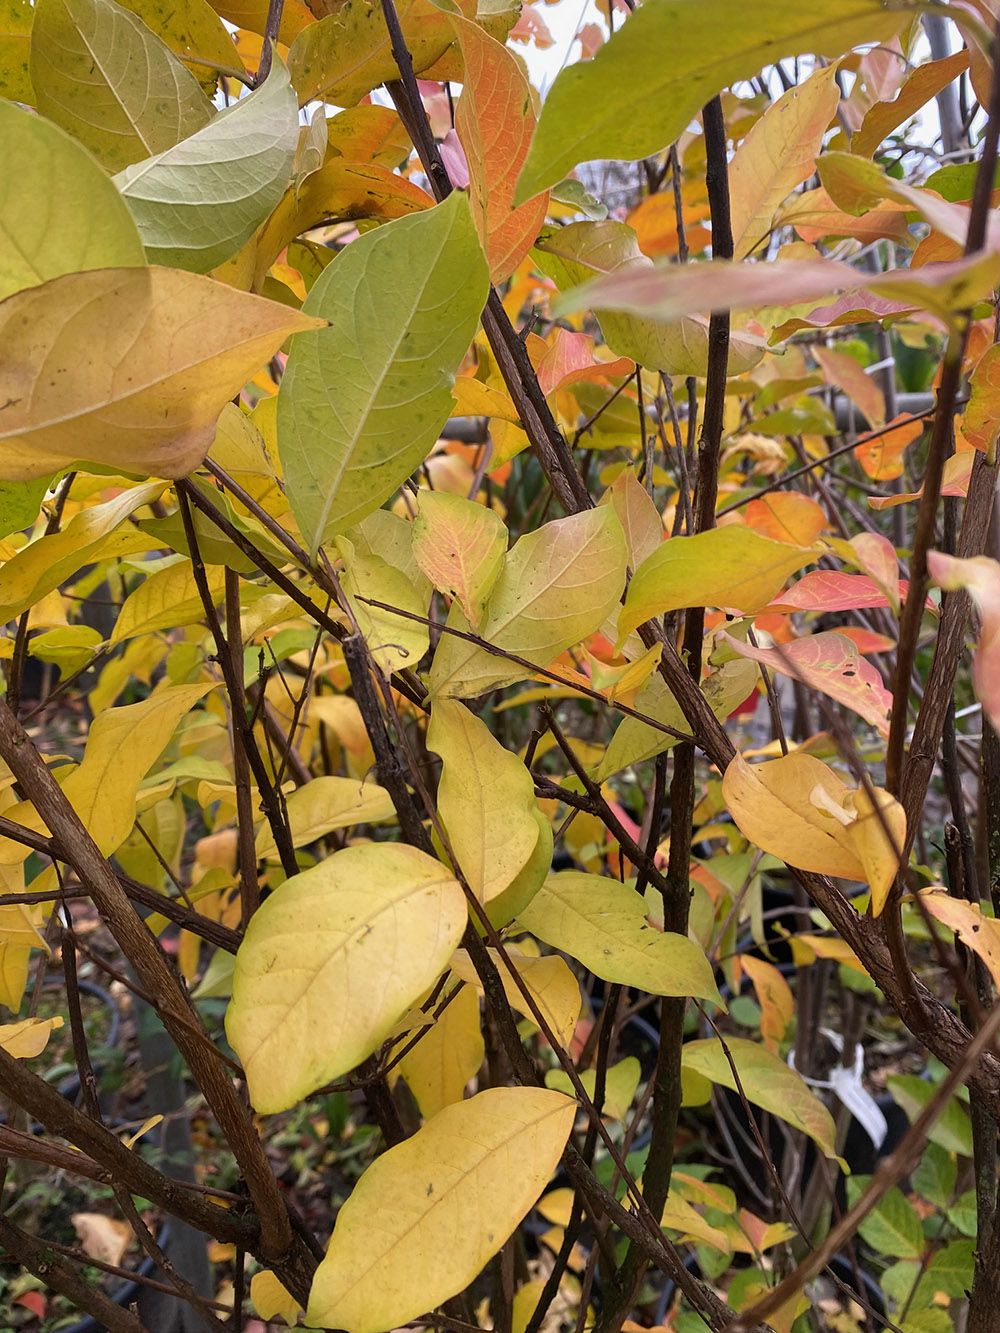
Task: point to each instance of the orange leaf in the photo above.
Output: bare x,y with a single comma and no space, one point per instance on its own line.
495,121
787,516
882,458
981,421
842,371
774,995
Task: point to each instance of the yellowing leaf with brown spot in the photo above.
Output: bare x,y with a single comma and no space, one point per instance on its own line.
731,567
447,1056
127,368
332,960
778,154
486,799
324,804
430,1213
29,1037
977,932
460,546
495,120
798,809
548,980
558,585
767,1081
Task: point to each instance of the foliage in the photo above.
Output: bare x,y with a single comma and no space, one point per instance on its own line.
503,658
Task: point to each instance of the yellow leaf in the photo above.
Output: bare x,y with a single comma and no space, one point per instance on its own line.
430,1213
473,398
767,1082
271,1300
29,1037
797,808
638,515
123,745
602,924
621,1081
324,804
460,546
679,1215
486,799
46,563
395,641
166,599
15,41
332,960
549,982
128,368
447,1056
558,585
778,154
18,936
731,567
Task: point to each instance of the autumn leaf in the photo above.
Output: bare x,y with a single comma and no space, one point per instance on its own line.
488,1158
128,368
460,546
308,1003
980,578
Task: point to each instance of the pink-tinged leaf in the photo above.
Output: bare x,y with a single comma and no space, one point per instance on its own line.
532,28
570,358
853,308
495,122
882,458
957,475
843,372
669,292
866,640
981,421
591,38
875,556
453,156
831,590
815,217
980,577
830,663
857,185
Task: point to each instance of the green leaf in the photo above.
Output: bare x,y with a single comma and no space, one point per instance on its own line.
395,641
558,584
767,1082
430,1213
90,228
20,502
584,250
951,1129
893,1226
332,961
603,925
732,567
362,402
670,58
102,75
198,202
949,1271
963,1214
934,1175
